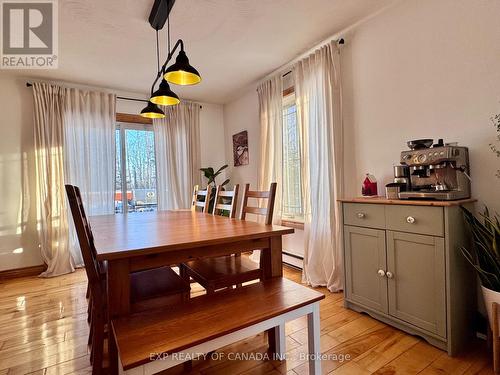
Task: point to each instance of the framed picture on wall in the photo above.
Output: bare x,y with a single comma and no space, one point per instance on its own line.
240,148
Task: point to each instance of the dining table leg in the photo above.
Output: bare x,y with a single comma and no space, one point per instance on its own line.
271,263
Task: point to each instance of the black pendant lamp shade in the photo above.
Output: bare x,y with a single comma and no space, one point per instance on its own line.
152,111
181,73
164,96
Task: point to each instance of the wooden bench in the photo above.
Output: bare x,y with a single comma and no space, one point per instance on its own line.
151,342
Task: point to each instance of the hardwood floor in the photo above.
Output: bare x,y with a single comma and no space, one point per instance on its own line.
43,331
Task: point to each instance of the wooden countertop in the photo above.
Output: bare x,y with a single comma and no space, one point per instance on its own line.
409,202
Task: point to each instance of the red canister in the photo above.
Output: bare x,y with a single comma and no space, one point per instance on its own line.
369,187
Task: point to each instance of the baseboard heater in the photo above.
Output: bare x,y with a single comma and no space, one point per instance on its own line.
292,260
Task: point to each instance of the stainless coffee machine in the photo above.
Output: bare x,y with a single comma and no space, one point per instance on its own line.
439,172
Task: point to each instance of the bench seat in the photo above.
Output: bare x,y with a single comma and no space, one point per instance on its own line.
209,322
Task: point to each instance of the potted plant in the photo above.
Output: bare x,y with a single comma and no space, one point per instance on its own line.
485,252
484,255
210,174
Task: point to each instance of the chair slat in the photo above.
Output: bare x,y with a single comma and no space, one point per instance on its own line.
228,194
258,194
226,207
256,210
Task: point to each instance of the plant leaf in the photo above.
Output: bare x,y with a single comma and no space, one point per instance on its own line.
222,168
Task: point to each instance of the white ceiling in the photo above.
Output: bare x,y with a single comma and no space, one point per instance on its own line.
108,43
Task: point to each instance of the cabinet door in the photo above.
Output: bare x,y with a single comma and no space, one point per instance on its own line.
416,280
365,256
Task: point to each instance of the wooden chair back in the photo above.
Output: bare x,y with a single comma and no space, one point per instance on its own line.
221,196
86,241
203,204
267,211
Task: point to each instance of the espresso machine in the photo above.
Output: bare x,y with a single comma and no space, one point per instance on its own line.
437,171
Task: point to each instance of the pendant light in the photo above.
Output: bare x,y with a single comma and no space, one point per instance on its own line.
181,72
152,111
164,96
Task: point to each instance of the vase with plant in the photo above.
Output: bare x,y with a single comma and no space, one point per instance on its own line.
484,255
211,175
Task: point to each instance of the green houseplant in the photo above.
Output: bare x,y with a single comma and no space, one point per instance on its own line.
211,175
484,254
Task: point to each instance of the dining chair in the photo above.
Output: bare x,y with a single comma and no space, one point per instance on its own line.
221,205
149,289
205,195
225,272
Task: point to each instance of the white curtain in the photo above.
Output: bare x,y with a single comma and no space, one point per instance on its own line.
52,219
89,153
74,143
271,138
270,95
319,113
177,149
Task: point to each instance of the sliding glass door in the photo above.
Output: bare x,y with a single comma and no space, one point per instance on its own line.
135,169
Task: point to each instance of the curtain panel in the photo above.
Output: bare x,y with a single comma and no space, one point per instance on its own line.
178,160
270,95
75,144
319,114
89,153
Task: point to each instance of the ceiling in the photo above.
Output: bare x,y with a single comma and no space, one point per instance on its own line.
231,42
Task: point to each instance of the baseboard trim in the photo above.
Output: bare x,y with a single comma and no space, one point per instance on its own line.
22,272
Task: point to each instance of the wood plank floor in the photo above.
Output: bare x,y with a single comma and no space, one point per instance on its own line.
43,331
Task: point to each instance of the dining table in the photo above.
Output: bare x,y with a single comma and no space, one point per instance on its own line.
139,241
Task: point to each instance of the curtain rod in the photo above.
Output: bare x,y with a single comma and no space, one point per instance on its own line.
339,41
29,84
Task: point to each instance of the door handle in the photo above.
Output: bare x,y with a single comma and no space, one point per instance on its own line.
389,274
381,273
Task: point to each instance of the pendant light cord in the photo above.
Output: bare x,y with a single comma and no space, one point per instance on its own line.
168,32
157,52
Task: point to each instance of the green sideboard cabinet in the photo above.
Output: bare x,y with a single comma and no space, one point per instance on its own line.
403,266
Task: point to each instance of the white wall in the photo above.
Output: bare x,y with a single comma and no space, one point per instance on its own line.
18,237
243,114
423,69
213,153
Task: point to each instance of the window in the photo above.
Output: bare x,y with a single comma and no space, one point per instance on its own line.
135,168
292,206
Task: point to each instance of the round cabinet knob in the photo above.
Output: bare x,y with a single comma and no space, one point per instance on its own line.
381,273
410,219
389,275
361,215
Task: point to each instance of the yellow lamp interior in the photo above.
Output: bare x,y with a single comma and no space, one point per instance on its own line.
165,100
183,78
152,115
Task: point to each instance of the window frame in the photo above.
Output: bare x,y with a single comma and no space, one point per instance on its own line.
123,122
292,222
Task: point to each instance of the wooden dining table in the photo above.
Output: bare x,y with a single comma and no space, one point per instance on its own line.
141,241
